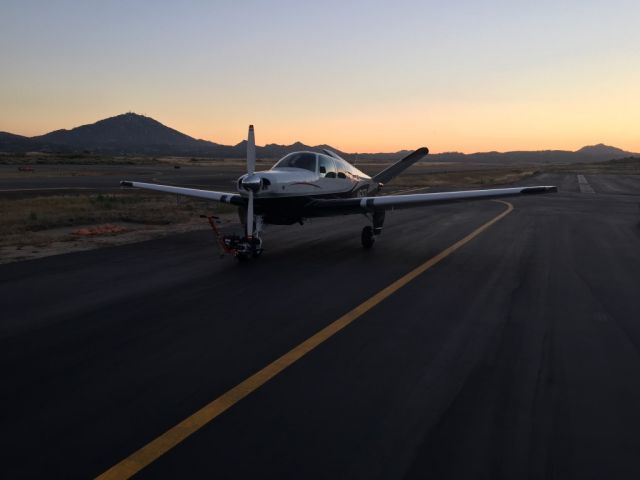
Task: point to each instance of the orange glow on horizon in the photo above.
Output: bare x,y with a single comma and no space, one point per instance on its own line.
489,128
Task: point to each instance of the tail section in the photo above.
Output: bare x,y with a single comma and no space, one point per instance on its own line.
397,168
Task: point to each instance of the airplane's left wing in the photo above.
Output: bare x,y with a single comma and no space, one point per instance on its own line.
389,202
222,197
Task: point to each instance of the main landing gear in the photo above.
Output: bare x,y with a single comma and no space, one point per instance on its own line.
367,237
370,232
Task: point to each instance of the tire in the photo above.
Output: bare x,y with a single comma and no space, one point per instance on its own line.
367,237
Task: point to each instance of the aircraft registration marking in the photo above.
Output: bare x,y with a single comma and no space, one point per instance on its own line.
153,450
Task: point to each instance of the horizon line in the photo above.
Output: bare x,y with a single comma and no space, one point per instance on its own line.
130,112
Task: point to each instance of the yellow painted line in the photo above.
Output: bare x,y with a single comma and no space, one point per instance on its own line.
172,437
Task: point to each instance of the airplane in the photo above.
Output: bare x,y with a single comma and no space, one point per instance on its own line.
305,184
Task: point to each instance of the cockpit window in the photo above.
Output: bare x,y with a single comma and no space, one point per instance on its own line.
342,168
304,160
326,167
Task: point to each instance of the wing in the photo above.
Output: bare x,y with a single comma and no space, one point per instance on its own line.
223,197
389,202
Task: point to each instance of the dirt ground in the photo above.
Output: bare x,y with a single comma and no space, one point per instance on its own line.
57,241
42,225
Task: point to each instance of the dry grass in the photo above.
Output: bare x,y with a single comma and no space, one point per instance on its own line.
462,178
40,158
22,217
623,166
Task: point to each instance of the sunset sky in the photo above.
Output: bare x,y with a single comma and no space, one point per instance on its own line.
362,75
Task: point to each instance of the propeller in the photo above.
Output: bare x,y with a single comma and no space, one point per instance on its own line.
251,182
251,152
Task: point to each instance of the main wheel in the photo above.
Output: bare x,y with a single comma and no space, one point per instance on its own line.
367,237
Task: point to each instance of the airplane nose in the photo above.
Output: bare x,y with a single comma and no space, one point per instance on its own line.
252,182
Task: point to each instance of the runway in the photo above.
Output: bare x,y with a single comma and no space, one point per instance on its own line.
51,179
516,355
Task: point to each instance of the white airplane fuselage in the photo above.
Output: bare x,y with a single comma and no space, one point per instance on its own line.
281,192
290,182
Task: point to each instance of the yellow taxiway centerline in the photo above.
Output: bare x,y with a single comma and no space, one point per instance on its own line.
172,437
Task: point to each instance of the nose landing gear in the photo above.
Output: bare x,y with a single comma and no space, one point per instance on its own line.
245,248
250,246
241,247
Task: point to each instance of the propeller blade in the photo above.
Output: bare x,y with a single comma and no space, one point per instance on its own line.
251,151
250,215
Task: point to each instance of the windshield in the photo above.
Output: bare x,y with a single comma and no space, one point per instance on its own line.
304,160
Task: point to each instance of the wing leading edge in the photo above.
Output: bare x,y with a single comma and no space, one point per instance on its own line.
222,197
390,202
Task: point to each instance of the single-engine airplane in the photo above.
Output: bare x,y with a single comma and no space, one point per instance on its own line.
304,185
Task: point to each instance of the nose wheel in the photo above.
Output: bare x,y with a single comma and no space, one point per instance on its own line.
247,248
241,247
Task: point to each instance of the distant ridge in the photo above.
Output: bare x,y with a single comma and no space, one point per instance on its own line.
134,134
602,149
126,133
12,142
131,133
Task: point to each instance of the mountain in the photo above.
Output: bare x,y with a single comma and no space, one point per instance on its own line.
126,133
594,153
16,143
602,150
131,133
135,134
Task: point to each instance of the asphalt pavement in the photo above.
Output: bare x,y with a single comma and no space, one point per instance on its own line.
516,356
67,178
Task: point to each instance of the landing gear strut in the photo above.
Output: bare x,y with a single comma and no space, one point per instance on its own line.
250,246
369,233
241,247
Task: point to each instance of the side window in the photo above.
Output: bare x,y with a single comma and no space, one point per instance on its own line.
326,167
351,170
304,160
342,169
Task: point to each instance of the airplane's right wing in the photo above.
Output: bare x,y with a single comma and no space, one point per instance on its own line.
223,197
390,202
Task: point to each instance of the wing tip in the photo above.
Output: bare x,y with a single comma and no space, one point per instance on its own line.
126,183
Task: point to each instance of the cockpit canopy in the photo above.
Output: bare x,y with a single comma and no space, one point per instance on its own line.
306,160
324,165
